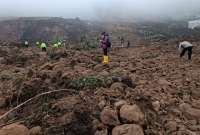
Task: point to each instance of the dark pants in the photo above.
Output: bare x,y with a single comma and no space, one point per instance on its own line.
105,51
44,49
189,49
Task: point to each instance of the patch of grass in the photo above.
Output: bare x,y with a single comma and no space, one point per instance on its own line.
86,82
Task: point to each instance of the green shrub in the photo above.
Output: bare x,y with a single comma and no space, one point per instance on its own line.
88,82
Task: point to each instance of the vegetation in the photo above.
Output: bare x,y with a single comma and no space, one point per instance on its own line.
86,82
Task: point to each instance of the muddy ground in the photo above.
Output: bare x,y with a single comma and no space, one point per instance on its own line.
165,88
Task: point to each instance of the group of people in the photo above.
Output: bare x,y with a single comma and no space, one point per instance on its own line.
105,44
43,45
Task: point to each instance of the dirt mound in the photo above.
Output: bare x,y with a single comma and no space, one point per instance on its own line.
148,89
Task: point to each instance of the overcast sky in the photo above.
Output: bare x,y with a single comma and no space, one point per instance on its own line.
99,9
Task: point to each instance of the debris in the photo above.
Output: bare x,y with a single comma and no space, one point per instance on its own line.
131,114
109,117
14,129
128,129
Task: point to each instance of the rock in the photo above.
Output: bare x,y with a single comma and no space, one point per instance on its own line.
119,104
66,119
128,129
194,128
102,132
14,129
192,122
117,86
98,67
2,60
97,125
156,106
196,94
102,104
185,132
131,114
6,75
196,104
47,66
109,117
66,103
35,131
189,112
164,82
104,73
2,102
128,81
171,126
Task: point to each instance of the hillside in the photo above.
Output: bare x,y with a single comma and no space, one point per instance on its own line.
42,29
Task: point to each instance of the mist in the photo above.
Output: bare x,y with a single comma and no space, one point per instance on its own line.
102,9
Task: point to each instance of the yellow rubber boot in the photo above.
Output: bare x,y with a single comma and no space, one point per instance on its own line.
105,59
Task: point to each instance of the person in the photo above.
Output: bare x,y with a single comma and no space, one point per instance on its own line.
26,43
43,46
128,44
122,42
105,43
37,44
185,46
59,44
55,45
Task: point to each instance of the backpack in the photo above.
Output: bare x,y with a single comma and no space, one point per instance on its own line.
108,43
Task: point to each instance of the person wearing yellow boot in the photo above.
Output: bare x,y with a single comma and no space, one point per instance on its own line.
105,59
105,44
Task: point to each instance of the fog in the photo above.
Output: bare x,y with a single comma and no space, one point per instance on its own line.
101,9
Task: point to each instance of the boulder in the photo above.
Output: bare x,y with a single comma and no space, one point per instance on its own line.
156,106
67,103
2,60
102,104
128,129
131,114
119,104
47,66
196,104
2,102
35,131
185,132
189,112
109,117
117,86
97,125
14,129
102,132
164,82
171,126
66,119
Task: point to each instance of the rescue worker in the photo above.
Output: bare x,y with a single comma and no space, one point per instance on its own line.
128,44
185,46
37,43
105,43
59,44
43,46
55,45
26,43
122,41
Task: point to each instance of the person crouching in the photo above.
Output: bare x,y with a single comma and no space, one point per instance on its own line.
185,46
